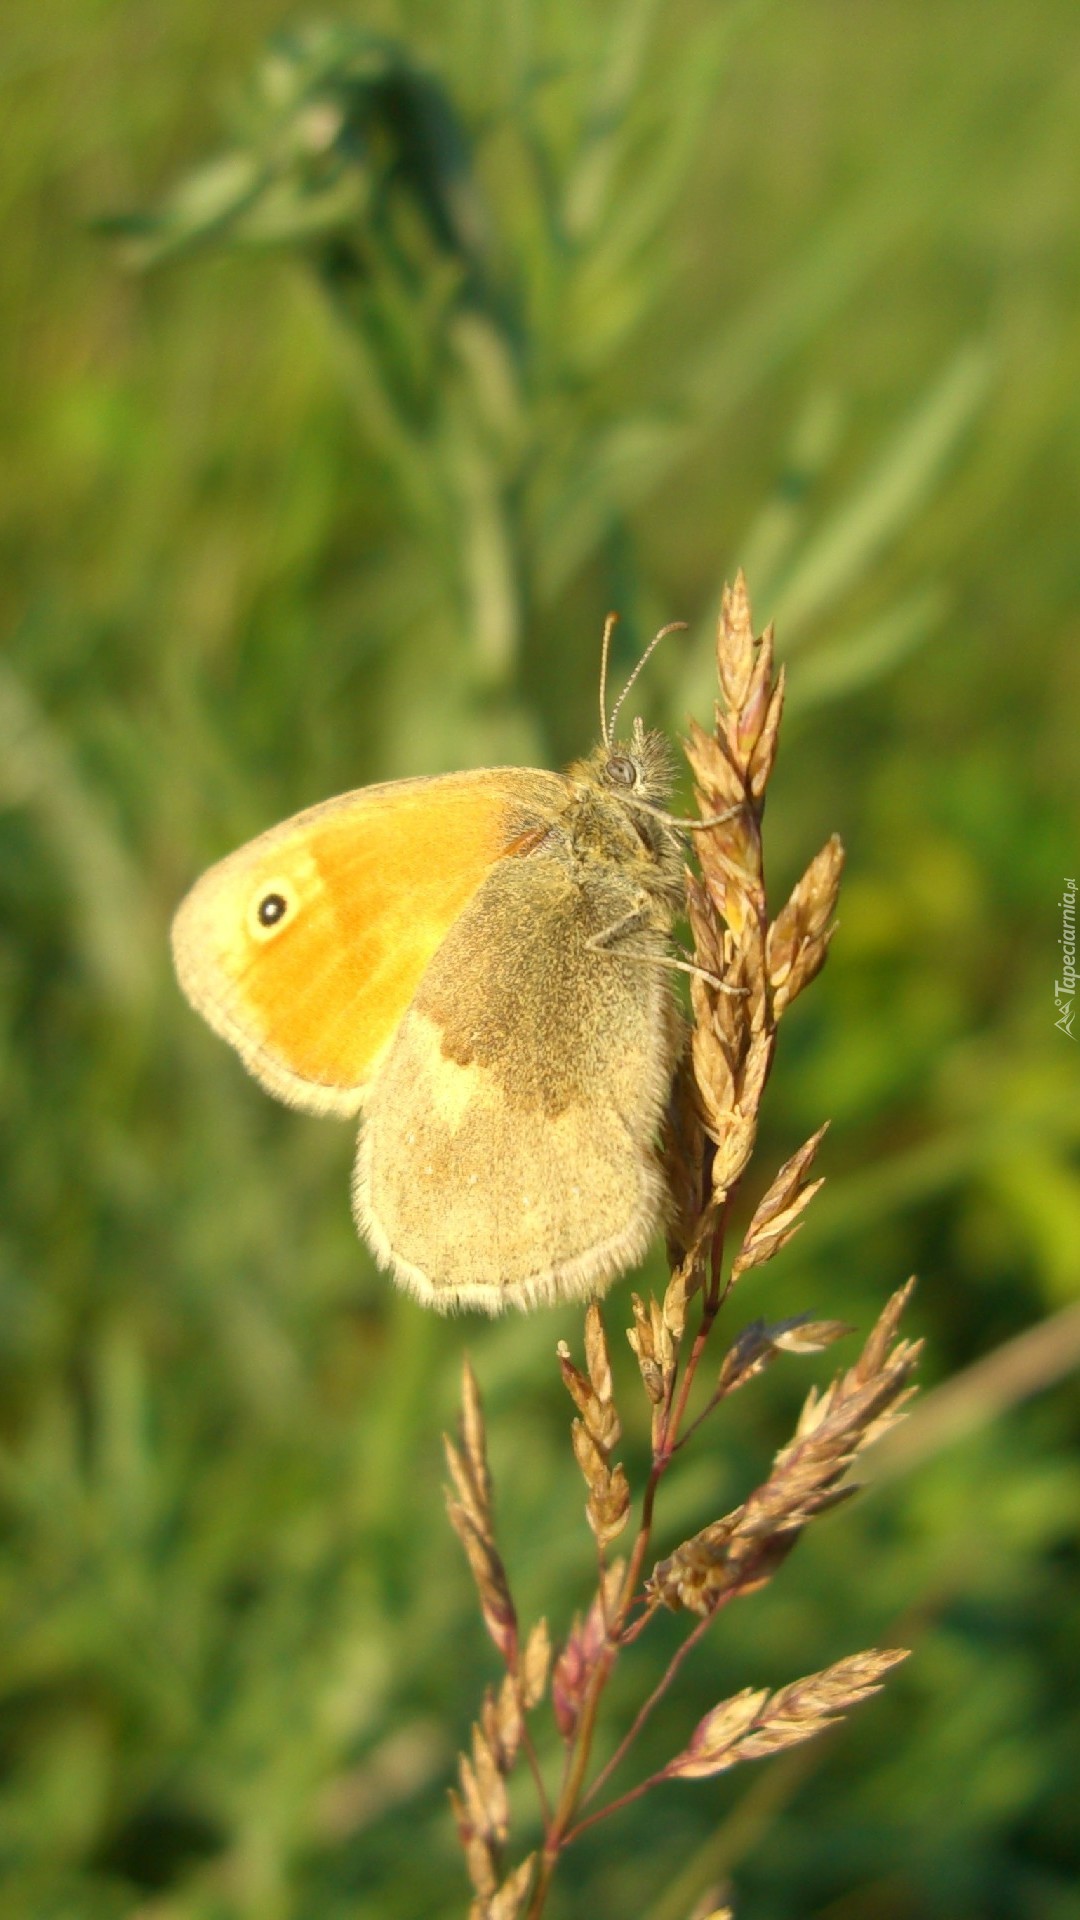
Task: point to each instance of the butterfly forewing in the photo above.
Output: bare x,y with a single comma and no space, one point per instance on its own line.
305,947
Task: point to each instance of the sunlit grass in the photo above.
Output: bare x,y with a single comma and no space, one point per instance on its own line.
782,294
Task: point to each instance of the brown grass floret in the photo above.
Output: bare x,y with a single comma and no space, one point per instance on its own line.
749,971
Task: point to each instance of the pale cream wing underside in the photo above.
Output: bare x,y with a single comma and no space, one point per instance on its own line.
507,1149
496,1208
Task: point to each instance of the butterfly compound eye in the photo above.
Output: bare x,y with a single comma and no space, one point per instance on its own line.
620,771
271,907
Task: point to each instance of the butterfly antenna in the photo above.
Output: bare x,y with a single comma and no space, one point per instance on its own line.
675,626
610,625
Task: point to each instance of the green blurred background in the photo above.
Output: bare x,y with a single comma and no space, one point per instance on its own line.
328,470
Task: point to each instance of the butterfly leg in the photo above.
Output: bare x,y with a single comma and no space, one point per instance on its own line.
637,920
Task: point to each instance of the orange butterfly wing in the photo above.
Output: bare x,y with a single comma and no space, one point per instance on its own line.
366,887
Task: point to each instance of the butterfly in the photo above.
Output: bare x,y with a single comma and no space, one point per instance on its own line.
478,965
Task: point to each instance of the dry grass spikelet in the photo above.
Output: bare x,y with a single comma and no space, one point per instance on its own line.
751,969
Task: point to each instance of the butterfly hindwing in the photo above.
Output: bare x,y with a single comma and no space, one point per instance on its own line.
506,1152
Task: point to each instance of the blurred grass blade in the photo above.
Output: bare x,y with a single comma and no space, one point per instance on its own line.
588,192
199,210
983,1393
885,499
874,649
614,284
492,614
111,919
625,269
795,303
619,468
616,474
773,535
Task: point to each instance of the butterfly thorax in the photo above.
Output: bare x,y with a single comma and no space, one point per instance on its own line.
614,817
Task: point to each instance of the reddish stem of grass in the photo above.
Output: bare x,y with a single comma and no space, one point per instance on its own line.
559,1829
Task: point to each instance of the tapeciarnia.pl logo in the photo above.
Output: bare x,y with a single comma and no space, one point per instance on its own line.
1065,988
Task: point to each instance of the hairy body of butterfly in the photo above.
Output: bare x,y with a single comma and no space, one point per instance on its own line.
477,964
